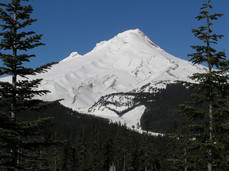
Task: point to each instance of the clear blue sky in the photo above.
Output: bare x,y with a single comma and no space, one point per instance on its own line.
77,25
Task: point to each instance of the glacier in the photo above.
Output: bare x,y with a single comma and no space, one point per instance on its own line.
128,62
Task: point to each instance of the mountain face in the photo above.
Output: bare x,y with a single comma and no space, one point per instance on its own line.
114,78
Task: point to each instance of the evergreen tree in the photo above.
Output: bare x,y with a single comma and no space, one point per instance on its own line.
208,112
18,139
108,153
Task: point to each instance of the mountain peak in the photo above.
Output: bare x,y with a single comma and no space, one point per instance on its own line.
130,36
137,34
103,82
131,32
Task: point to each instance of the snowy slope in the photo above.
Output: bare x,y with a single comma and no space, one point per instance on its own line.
129,62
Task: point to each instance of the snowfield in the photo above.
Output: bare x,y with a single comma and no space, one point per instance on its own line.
129,62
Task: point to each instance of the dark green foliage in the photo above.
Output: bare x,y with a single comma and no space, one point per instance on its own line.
205,135
161,113
21,143
92,143
13,45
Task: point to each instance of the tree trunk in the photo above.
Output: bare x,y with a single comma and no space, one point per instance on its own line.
14,76
185,160
210,137
209,165
112,167
124,163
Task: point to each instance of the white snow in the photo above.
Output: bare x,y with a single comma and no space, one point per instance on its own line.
73,55
124,63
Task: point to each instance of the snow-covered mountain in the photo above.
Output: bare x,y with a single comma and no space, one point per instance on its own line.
105,81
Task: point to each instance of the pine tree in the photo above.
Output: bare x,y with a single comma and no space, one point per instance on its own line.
208,112
19,139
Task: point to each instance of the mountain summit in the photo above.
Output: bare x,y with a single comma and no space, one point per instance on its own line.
129,36
99,81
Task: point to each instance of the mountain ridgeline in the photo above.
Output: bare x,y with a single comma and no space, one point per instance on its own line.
111,80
